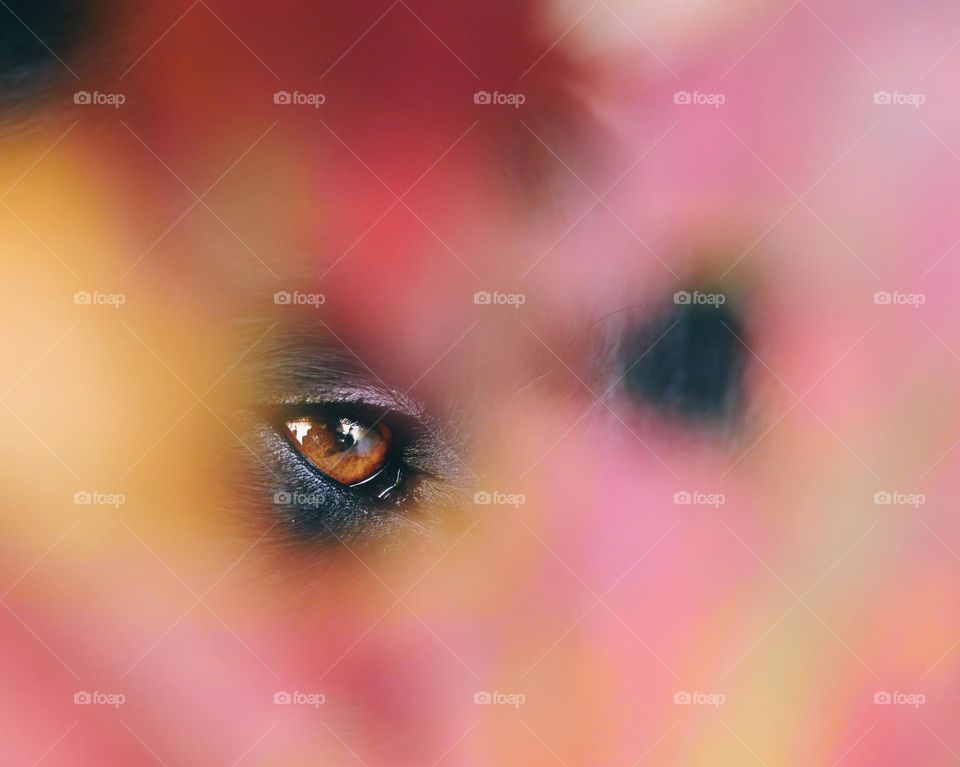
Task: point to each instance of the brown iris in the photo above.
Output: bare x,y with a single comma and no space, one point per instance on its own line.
342,448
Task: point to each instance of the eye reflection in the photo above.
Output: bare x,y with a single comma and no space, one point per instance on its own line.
344,449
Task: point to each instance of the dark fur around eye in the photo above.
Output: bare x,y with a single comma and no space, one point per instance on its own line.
61,25
695,371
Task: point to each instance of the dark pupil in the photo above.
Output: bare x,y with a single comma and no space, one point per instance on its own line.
344,433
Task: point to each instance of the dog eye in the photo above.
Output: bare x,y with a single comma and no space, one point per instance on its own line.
346,450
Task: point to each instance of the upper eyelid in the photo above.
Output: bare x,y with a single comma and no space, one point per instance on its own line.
341,393
296,369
